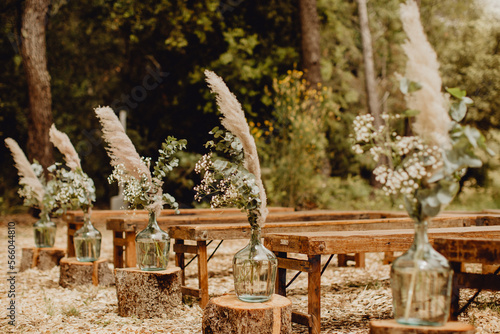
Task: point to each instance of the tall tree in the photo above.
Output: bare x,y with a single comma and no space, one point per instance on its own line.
309,24
33,52
370,78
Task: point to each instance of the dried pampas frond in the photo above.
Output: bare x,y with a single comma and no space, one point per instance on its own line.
26,174
433,122
63,144
120,148
234,120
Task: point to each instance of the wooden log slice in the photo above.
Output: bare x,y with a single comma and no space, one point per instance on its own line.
392,327
74,273
228,314
147,294
41,258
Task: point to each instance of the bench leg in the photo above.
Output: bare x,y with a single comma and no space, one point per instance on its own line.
180,261
72,228
359,258
342,260
203,272
388,257
281,276
118,249
130,254
314,293
455,290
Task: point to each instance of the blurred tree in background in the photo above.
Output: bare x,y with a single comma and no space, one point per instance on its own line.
148,57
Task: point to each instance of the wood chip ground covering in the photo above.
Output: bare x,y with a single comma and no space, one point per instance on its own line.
350,297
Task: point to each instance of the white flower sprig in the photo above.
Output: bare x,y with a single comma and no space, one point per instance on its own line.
226,181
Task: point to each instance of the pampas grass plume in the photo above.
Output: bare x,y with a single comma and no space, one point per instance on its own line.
433,122
63,144
120,148
26,174
234,120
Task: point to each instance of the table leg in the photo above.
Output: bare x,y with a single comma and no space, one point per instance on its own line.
203,272
314,293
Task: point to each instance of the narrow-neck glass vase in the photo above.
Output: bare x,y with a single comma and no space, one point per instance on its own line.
44,231
254,271
421,283
152,246
87,241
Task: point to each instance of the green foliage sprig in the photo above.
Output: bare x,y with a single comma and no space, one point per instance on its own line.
225,180
71,189
140,193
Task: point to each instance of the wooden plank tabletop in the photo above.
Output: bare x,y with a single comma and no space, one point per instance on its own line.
73,215
470,250
242,230
129,223
345,242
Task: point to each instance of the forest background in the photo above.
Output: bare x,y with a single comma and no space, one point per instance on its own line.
148,57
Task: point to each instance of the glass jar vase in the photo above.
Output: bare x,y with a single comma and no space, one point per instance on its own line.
421,282
152,246
87,241
254,271
44,231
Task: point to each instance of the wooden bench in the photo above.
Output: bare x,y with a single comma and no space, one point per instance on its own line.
124,228
459,251
201,229
74,218
201,233
315,244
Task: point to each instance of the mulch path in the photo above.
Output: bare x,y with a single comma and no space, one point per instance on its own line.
351,297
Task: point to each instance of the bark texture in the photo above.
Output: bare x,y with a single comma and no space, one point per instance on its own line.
74,273
147,294
33,52
370,77
309,24
227,314
41,258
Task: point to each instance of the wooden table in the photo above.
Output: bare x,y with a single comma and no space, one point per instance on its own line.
458,251
315,244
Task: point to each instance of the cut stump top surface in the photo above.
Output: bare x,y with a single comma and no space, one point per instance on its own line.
232,301
392,327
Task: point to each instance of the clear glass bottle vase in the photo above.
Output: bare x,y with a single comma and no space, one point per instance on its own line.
152,246
421,282
44,231
254,271
87,241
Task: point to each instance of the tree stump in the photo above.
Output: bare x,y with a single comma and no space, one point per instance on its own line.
74,272
41,258
228,314
147,294
392,327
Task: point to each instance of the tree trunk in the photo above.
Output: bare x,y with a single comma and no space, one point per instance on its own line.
33,52
309,23
370,78
370,81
